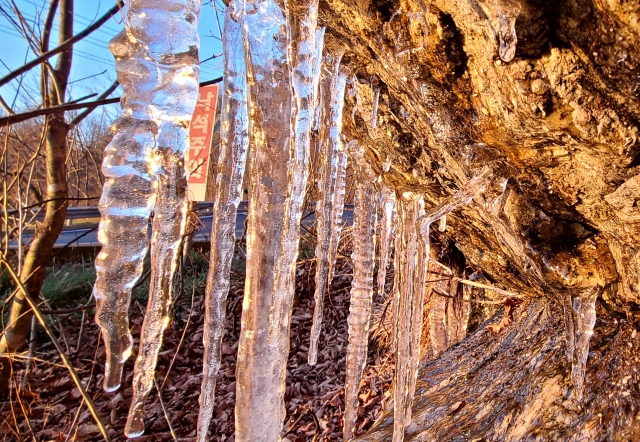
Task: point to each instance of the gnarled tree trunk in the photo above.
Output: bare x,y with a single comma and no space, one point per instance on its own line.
558,125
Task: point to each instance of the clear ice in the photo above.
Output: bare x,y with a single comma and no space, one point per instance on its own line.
508,11
375,99
163,46
584,308
234,143
157,65
280,54
361,301
387,229
331,186
408,296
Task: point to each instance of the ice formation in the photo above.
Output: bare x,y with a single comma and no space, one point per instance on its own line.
375,99
331,186
508,11
387,229
157,65
408,296
361,301
584,307
234,143
280,54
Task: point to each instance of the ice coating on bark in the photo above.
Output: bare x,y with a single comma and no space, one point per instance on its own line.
508,11
361,301
584,307
408,296
234,143
387,230
157,66
331,184
157,53
280,53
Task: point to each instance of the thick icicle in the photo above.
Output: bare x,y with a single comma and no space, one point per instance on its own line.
332,160
408,295
364,221
157,65
387,230
584,307
234,143
508,11
166,34
280,58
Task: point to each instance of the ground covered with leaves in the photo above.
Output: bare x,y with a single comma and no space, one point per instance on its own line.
45,405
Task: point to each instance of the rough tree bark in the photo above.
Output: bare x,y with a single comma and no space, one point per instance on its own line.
54,88
559,123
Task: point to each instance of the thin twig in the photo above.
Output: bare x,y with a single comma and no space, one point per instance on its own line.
76,38
441,292
17,118
63,356
164,410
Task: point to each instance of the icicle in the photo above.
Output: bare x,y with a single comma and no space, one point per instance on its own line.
331,185
367,98
144,166
442,227
234,142
570,334
387,231
361,301
408,295
280,58
375,99
162,55
438,325
584,307
508,11
317,66
454,310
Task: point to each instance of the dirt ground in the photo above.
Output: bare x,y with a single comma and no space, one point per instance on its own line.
46,406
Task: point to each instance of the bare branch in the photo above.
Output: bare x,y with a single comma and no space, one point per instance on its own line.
85,113
17,118
76,38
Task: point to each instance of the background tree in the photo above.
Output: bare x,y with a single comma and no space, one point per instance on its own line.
52,153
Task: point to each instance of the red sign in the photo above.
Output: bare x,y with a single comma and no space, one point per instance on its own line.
200,133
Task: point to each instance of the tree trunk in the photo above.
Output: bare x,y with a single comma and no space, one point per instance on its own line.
558,126
34,269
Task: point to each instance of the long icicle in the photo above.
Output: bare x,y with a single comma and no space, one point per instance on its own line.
168,32
280,57
144,161
408,291
361,301
332,162
387,231
234,143
584,307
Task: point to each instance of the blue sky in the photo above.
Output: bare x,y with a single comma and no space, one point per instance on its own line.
93,69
